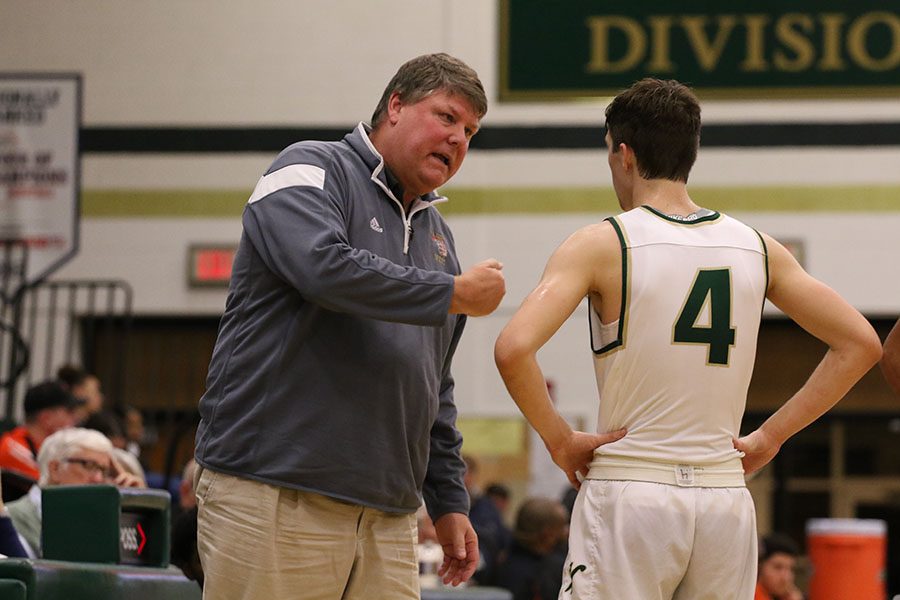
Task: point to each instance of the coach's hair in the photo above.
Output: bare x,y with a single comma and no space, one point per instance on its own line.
430,73
660,121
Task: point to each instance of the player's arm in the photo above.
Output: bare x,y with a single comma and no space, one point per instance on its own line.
853,349
568,277
890,362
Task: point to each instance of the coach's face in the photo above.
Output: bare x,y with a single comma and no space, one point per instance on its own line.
427,141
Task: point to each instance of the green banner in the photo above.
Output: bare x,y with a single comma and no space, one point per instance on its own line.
575,48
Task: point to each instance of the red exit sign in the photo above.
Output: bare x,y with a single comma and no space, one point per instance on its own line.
210,266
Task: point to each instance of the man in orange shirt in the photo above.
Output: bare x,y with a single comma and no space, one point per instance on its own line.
777,561
48,409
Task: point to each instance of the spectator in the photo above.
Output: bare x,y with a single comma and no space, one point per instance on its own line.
107,423
135,432
48,409
74,456
84,386
541,525
551,570
777,561
493,535
499,495
126,462
425,527
10,546
186,498
184,546
428,551
185,555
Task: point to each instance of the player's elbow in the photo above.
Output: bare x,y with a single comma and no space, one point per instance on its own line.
509,351
868,348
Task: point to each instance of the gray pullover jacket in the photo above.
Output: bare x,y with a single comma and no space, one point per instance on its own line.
331,371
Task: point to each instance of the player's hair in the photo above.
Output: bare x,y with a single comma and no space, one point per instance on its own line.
660,121
429,73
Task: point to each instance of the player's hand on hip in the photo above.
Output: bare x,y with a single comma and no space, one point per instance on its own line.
574,456
758,449
479,290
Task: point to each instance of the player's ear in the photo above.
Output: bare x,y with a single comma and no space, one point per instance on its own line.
629,160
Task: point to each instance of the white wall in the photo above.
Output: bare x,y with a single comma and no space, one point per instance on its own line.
291,61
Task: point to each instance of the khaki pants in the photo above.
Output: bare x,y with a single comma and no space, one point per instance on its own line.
258,541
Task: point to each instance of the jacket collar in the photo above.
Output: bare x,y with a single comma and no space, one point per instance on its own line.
358,139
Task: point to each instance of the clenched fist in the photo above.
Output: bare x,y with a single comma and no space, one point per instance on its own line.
478,291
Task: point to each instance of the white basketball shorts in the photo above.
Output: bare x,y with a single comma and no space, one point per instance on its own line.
637,540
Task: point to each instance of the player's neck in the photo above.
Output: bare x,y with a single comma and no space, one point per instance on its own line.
668,197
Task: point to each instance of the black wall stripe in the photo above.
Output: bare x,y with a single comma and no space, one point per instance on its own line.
171,140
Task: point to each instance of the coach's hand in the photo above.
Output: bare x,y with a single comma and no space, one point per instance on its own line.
479,290
575,453
460,545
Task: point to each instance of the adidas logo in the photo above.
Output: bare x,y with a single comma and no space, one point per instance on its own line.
375,226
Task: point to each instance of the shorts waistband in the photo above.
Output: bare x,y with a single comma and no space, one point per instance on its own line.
727,474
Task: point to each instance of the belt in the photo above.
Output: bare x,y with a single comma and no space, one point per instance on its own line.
721,475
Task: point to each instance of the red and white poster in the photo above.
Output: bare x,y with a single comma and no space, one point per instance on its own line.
40,117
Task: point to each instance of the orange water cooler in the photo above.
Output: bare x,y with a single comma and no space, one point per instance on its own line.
848,559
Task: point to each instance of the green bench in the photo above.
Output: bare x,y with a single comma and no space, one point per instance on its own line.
25,579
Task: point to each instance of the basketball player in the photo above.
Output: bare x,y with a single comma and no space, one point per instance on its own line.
676,293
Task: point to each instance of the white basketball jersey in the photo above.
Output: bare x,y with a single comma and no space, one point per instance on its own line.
674,369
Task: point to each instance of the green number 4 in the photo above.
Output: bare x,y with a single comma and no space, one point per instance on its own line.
710,296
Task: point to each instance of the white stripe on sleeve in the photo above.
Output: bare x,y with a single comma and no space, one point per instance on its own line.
289,176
